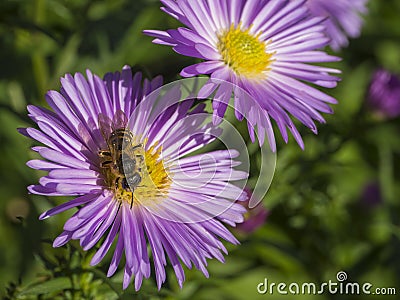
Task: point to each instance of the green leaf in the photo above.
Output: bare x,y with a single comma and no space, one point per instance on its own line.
51,286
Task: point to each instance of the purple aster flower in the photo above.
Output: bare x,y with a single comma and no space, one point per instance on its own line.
371,195
384,94
133,187
343,18
263,47
254,218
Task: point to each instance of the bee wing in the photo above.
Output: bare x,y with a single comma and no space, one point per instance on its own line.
120,120
128,152
105,126
133,151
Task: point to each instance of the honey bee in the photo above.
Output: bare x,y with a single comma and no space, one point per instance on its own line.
123,158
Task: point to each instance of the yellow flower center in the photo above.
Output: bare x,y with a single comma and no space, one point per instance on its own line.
154,178
243,52
156,181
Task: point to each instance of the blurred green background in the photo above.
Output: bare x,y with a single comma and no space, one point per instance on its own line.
322,218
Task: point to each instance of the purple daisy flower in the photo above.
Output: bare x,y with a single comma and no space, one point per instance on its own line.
262,47
384,94
145,199
371,195
343,19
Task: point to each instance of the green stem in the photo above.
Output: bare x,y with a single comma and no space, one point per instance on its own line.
386,171
39,12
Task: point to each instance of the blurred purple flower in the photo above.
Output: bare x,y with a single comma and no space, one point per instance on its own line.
161,212
343,19
254,218
384,94
371,195
265,48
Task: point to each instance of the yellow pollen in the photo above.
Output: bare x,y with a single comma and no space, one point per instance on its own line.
244,52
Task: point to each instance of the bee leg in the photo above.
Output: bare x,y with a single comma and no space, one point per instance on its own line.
132,190
117,182
132,200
